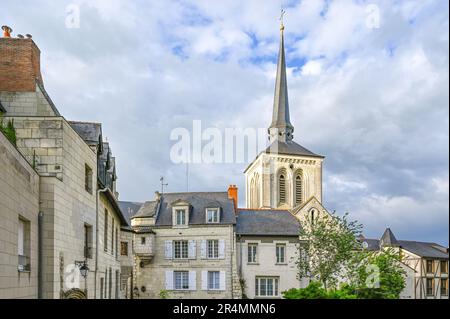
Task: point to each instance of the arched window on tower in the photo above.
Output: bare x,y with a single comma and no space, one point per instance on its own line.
298,187
251,193
282,188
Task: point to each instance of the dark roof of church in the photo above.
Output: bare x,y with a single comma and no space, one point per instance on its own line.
421,249
289,148
266,222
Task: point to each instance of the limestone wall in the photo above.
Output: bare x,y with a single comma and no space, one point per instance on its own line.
19,197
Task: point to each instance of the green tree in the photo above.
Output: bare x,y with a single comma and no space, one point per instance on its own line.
328,243
379,274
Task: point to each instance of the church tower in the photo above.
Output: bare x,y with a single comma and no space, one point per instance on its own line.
285,175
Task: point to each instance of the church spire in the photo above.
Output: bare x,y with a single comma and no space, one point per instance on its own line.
281,127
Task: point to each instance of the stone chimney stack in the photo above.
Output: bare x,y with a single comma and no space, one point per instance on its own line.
233,194
20,65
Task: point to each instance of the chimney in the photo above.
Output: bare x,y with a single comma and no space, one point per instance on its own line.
6,31
233,194
20,65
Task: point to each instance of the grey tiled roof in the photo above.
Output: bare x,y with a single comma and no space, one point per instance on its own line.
199,201
422,249
267,223
89,132
129,209
289,148
148,209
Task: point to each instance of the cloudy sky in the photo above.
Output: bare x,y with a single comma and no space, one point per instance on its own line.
368,85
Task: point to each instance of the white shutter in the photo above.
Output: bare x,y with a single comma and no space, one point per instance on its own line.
192,249
192,280
222,280
169,250
169,280
204,280
222,249
20,242
203,249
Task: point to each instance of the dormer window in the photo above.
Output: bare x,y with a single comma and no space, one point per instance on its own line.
180,217
212,216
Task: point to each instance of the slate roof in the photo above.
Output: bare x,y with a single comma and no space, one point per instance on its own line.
129,209
148,209
2,109
90,132
388,238
267,223
422,249
199,201
289,148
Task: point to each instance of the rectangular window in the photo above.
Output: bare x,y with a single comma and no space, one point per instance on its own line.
142,240
23,245
88,179
112,237
252,253
430,284
430,268
181,280
212,216
180,216
444,287
281,253
105,231
181,249
124,248
213,280
212,247
88,236
117,243
266,286
444,267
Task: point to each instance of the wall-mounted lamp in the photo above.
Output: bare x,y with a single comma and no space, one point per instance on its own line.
84,269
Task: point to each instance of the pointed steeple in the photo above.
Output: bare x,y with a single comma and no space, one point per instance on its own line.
388,239
281,127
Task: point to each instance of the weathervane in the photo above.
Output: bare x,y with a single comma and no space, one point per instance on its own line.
162,184
281,19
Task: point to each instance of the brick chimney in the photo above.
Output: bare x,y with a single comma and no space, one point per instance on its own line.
19,64
233,194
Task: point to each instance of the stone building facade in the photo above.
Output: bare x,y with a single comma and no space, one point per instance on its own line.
19,212
77,182
184,246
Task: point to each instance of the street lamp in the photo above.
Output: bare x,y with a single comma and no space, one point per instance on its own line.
84,269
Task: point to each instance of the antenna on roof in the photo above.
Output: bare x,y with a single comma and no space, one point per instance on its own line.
162,184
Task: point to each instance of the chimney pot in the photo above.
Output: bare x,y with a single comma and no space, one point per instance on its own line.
20,36
233,194
6,31
29,36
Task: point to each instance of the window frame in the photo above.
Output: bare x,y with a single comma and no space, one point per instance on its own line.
184,280
183,245
444,280
88,179
182,213
123,248
214,249
215,211
275,286
445,263
215,283
280,247
252,250
427,262
427,287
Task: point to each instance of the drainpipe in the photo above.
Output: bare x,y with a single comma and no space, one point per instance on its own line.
96,238
40,255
